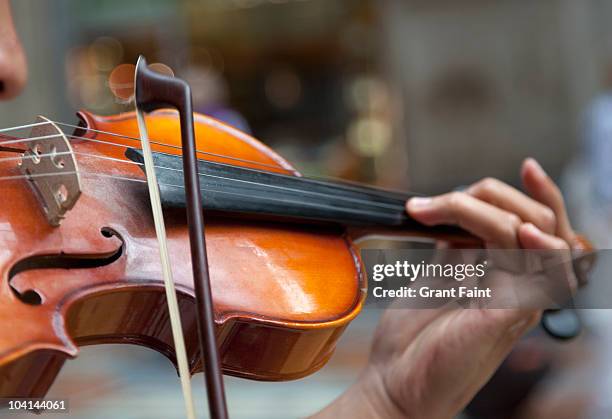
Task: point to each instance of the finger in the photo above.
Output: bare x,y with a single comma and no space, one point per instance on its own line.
531,237
558,260
504,196
542,188
492,224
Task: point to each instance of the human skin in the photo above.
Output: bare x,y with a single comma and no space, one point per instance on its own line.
430,363
13,66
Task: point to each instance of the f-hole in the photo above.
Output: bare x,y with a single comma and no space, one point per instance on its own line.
61,261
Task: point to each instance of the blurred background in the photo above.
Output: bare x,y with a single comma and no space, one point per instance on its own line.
408,94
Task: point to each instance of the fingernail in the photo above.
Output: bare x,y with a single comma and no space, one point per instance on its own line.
539,171
418,203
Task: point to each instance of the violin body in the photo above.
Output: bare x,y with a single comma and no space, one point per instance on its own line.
283,292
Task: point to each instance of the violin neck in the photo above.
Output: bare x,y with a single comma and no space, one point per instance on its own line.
235,189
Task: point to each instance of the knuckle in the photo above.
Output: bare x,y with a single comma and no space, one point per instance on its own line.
456,200
548,220
509,229
509,234
486,187
513,221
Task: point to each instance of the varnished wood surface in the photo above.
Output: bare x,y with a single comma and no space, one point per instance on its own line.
283,293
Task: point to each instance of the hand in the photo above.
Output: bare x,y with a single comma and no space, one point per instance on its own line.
431,363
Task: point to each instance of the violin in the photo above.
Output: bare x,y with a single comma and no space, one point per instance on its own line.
80,264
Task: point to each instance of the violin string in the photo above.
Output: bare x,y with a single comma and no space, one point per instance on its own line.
21,157
52,136
92,140
162,144
80,172
283,188
158,143
278,187
339,182
27,140
128,179
16,128
269,199
68,136
178,170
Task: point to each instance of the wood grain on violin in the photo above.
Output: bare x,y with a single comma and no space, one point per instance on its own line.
283,293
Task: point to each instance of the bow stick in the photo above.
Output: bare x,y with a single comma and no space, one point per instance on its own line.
154,91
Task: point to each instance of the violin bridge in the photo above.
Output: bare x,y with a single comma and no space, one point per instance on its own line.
50,167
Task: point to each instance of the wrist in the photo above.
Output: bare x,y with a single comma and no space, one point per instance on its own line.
366,398
374,391
370,398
